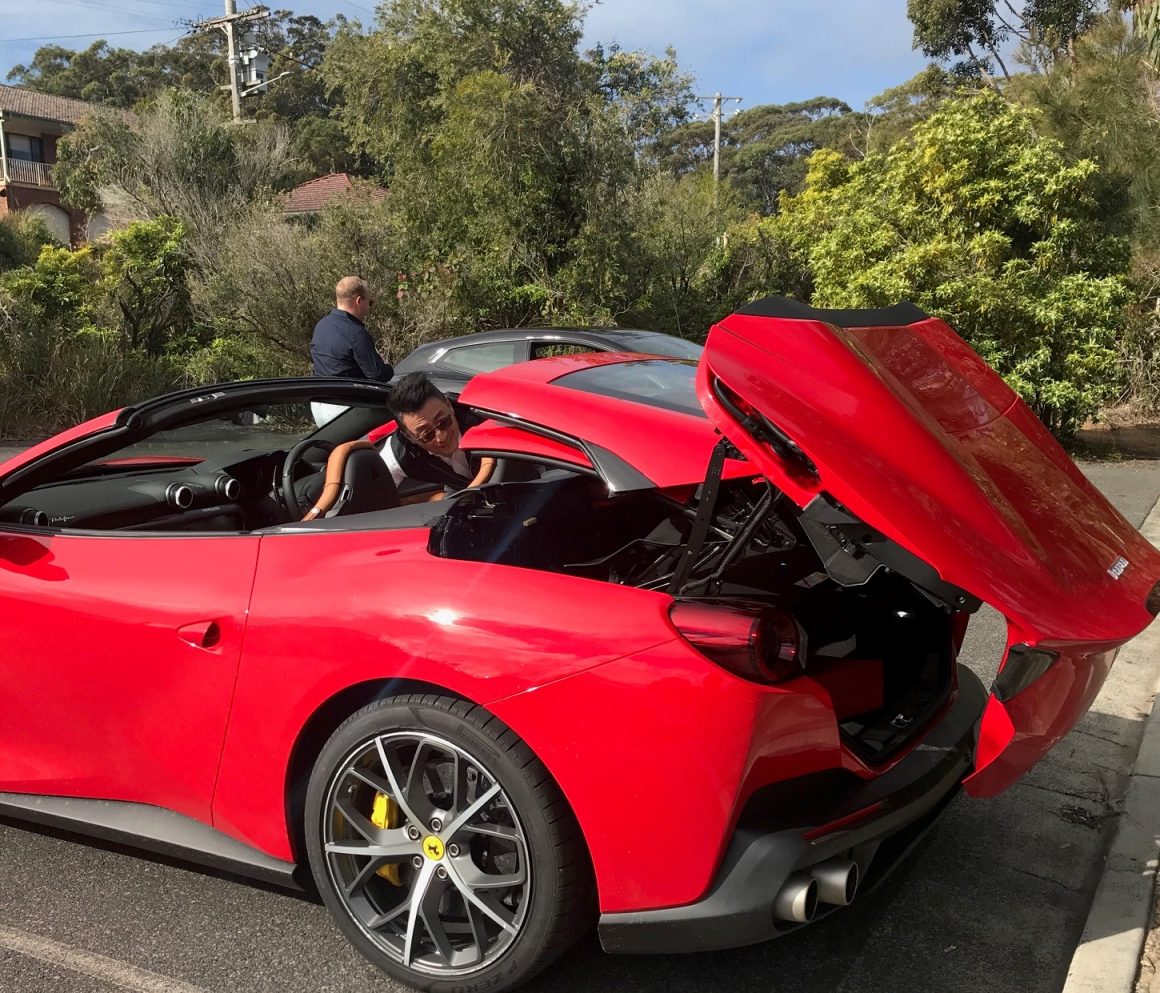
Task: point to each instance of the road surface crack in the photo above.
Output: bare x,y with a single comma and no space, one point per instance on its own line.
1100,737
1036,875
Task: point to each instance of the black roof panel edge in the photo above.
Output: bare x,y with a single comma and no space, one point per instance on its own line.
883,317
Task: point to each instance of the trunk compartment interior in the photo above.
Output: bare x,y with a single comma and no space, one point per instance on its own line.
883,650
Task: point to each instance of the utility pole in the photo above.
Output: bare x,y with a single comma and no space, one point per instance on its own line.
232,48
717,101
229,24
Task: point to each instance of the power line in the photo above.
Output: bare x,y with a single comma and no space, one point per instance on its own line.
184,7
91,34
112,9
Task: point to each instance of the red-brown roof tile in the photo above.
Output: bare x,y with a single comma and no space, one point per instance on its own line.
29,103
319,193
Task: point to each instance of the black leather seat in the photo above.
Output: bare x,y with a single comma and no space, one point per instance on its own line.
366,485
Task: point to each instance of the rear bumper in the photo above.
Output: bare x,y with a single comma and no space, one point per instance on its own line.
760,859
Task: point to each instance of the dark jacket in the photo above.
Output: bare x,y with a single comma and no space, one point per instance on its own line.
341,346
418,463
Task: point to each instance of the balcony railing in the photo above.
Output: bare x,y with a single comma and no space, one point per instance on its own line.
30,173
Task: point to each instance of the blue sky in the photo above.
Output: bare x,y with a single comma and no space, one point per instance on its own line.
766,51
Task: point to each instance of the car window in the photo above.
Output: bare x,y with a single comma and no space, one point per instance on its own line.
666,383
655,343
551,349
474,359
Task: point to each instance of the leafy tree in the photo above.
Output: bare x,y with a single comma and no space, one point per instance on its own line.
22,235
143,274
652,95
976,32
85,330
1146,25
769,145
502,152
399,81
116,77
182,159
1100,105
764,149
980,219
894,112
688,147
297,46
274,279
59,288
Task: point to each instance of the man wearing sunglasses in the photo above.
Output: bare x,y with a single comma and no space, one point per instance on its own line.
425,446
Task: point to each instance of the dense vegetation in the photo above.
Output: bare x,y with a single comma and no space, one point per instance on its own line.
533,183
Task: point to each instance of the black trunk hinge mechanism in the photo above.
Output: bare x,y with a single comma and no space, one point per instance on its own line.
706,509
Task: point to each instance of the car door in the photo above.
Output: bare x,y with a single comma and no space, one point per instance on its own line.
891,429
119,660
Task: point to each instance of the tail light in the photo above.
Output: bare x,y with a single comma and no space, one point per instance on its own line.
750,640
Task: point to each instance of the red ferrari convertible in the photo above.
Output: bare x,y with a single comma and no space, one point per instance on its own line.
737,586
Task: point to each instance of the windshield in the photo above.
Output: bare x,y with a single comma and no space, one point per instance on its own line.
666,383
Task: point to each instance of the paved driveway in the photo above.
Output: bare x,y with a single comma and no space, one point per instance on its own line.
994,899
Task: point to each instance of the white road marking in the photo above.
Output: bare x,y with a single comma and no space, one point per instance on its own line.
127,977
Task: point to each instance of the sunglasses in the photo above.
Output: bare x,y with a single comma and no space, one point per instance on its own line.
440,425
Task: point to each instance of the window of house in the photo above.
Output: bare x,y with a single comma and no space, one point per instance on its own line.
25,148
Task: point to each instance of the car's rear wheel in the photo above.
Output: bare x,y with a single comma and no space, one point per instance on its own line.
443,848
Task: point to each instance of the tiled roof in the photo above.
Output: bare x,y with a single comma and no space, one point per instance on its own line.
29,103
319,193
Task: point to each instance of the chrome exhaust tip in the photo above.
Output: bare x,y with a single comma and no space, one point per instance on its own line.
837,881
797,900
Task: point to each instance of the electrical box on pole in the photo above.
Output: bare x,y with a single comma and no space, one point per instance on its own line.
249,65
255,62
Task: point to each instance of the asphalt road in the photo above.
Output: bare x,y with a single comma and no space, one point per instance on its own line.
994,899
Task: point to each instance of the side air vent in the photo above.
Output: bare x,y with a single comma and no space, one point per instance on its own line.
179,495
228,487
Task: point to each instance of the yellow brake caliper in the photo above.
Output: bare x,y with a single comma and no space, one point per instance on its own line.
385,815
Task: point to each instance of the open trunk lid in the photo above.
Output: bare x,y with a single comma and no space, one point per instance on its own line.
887,419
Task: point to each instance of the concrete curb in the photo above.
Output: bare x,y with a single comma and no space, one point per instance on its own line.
1107,958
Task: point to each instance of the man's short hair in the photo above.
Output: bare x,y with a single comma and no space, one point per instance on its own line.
350,287
410,393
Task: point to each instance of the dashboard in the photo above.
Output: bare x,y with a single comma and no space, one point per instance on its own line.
234,493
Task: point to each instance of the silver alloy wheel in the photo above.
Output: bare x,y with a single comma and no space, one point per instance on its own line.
450,900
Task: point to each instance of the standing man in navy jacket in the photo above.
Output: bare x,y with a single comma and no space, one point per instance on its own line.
341,345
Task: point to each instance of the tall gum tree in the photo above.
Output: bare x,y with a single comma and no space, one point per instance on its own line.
510,155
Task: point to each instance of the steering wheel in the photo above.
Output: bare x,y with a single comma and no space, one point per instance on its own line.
286,480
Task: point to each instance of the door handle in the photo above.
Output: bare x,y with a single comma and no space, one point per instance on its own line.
201,634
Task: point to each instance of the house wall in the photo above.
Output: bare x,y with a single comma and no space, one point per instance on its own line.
26,197
18,197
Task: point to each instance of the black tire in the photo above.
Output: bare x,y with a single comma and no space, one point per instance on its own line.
461,926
